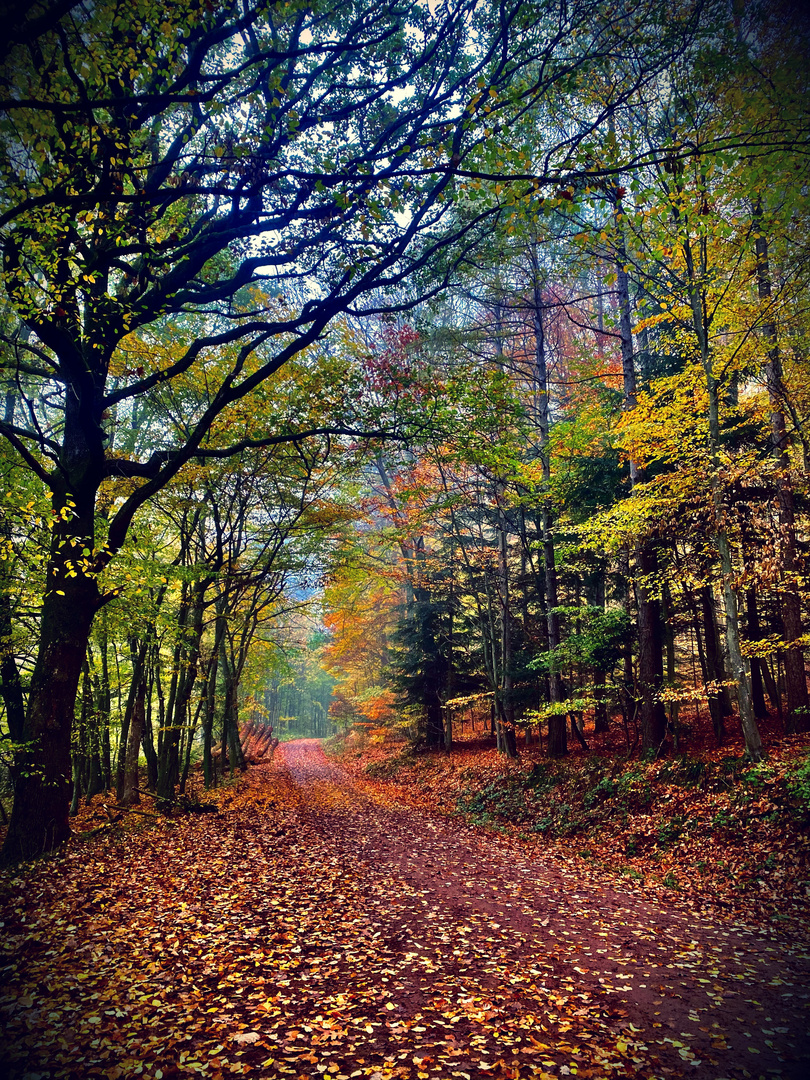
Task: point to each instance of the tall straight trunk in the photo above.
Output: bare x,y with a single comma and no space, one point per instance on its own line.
148,741
704,668
450,677
105,700
715,668
489,637
228,738
797,716
95,777
431,683
209,714
754,633
595,596
189,742
184,674
230,712
668,616
169,736
79,757
507,701
737,662
486,625
771,687
628,675
236,757
129,787
557,731
138,656
650,649
738,665
648,607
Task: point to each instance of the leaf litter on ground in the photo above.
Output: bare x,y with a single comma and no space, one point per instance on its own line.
316,927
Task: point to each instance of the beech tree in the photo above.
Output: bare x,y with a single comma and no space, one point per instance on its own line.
164,160
156,162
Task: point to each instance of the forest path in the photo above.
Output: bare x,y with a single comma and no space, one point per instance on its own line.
315,928
600,970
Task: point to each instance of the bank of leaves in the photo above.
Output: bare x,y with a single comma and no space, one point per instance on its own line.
709,825
242,943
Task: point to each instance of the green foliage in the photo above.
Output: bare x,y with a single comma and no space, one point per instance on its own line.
503,799
669,831
542,778
799,784
595,640
689,772
607,788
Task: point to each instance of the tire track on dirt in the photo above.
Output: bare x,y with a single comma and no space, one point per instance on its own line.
709,998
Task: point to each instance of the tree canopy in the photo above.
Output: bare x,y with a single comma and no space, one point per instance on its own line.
492,298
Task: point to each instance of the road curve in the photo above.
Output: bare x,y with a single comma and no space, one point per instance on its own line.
705,998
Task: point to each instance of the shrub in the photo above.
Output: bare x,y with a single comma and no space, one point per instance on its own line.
605,789
799,785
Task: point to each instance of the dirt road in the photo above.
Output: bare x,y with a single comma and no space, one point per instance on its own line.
314,928
706,1000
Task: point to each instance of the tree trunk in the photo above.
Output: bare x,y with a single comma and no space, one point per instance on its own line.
148,741
208,716
10,685
129,787
507,701
184,674
754,634
715,668
42,770
557,731
739,669
650,651
95,779
595,595
79,757
105,701
797,716
668,617
138,655
648,606
450,676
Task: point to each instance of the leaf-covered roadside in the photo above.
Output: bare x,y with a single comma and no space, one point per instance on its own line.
238,943
312,927
708,827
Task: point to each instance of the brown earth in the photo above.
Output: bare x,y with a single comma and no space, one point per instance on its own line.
316,927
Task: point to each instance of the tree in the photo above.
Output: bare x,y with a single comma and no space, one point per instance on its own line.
154,167
157,162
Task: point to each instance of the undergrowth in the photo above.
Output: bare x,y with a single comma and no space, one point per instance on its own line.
711,823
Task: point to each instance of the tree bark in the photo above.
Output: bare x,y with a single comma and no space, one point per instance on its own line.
42,770
10,685
129,786
739,669
557,729
506,697
797,715
648,606
754,633
138,659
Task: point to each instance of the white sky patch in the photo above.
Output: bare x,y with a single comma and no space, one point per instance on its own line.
400,93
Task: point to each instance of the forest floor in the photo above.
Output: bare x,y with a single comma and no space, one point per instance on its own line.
323,924
704,827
